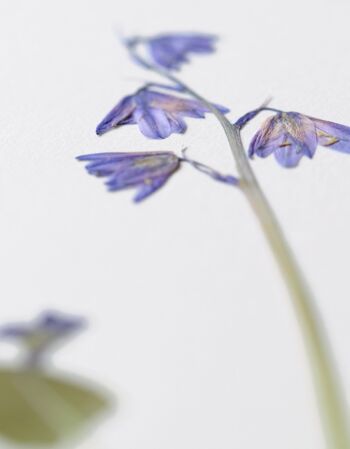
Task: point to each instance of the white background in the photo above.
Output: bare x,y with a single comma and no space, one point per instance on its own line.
191,326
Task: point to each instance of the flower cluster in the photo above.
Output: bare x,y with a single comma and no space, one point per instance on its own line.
288,135
158,115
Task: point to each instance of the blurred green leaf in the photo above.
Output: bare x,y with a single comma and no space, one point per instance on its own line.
37,408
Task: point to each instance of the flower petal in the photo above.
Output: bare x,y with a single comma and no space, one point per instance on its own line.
153,123
171,50
288,156
121,114
177,124
267,139
150,187
302,130
179,105
333,135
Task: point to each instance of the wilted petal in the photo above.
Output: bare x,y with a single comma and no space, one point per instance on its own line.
302,130
121,114
153,123
180,105
267,139
177,124
171,50
147,188
289,155
104,164
332,135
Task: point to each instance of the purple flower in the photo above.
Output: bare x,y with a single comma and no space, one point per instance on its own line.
290,136
171,50
146,172
47,328
158,115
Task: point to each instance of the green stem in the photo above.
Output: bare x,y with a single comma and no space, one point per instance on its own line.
330,398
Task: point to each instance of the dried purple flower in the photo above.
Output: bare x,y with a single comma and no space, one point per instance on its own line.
46,329
290,136
171,50
147,172
157,114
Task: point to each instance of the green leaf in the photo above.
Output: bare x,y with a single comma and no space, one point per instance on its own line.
37,408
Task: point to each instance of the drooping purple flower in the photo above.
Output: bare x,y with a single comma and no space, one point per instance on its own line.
291,135
171,50
46,329
146,172
157,114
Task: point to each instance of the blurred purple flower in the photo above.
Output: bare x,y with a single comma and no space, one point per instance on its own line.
46,329
171,50
290,136
146,172
158,115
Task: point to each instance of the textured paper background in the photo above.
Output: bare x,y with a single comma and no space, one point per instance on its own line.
190,323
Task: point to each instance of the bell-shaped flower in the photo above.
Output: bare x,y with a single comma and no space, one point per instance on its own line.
291,135
157,114
146,172
171,50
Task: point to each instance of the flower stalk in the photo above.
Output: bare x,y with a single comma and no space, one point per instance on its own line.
331,401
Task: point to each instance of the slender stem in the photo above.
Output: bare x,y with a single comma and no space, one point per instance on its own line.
330,398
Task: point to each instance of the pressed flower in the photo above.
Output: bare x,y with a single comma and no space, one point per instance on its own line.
291,135
146,172
40,333
157,114
171,50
